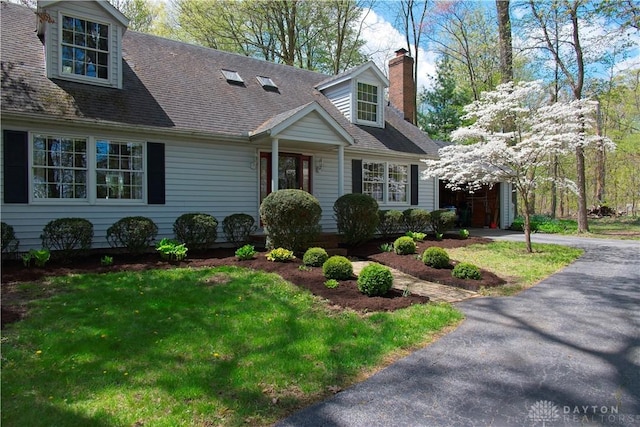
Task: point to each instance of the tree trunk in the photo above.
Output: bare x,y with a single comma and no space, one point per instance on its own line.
554,187
600,160
527,230
504,34
583,225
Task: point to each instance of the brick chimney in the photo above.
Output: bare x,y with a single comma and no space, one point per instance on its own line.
402,88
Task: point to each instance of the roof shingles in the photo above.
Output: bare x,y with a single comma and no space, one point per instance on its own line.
173,85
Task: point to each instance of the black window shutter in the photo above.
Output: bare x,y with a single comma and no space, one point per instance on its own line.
16,166
155,173
356,176
414,185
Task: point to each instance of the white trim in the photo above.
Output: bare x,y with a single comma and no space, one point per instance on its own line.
91,170
385,188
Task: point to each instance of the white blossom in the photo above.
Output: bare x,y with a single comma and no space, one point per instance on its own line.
514,133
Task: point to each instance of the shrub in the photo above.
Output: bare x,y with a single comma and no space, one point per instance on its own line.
464,233
280,255
9,241
238,227
375,280
315,257
337,267
171,250
390,223
465,270
245,253
356,217
69,236
404,245
106,260
291,219
442,221
435,257
416,219
196,230
332,283
135,233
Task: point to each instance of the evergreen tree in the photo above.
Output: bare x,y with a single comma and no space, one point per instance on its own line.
443,104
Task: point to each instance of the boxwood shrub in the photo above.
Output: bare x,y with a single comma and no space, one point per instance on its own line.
404,245
238,227
356,217
416,219
391,223
375,280
442,220
465,270
435,257
315,257
135,233
337,267
197,231
291,219
9,242
70,237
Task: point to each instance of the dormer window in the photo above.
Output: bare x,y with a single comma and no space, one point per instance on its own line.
85,48
367,103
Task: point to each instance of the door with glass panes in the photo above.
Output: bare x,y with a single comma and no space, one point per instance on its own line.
294,171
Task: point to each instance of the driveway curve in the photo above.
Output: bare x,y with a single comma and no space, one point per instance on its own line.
564,352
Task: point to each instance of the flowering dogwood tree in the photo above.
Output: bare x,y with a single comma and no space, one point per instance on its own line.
513,135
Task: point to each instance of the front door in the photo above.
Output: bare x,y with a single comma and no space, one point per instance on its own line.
294,171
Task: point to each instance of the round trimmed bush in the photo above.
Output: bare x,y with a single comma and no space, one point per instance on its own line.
337,267
442,221
135,233
417,220
238,227
356,217
68,236
435,257
391,223
9,241
196,230
466,270
315,257
375,280
291,219
404,245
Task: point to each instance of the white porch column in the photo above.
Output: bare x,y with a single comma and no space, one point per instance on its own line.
274,165
340,170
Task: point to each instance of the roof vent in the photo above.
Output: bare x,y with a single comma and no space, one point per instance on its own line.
232,77
267,83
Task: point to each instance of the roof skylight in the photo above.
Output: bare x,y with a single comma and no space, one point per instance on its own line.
232,76
267,83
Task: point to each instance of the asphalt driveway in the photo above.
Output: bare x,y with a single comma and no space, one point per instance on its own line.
565,352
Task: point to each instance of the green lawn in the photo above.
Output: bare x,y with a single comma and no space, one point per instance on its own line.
511,261
222,346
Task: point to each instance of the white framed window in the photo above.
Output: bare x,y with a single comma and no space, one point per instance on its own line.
386,182
119,170
60,168
84,48
367,103
86,169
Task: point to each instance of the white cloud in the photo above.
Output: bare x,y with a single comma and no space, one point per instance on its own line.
382,40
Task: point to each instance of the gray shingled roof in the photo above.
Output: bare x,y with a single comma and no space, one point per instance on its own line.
174,85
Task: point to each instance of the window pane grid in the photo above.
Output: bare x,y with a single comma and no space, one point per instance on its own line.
373,180
119,173
59,168
394,181
367,102
85,48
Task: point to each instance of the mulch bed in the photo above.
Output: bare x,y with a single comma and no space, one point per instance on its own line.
345,296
